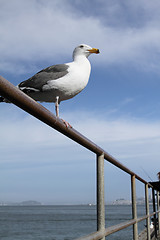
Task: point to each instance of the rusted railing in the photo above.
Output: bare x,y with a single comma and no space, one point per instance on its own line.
26,103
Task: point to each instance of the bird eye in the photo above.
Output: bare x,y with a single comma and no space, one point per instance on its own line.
81,46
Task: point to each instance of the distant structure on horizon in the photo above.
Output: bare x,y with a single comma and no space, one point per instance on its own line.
121,201
24,203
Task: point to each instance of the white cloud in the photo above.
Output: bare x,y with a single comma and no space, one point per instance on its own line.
124,138
27,131
15,129
40,31
33,31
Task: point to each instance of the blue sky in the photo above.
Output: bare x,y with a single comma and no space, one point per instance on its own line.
119,109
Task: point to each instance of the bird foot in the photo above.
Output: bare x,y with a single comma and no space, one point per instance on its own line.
66,123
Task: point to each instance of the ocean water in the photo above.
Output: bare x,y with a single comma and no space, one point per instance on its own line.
61,222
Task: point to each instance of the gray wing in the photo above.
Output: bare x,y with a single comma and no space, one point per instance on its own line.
41,78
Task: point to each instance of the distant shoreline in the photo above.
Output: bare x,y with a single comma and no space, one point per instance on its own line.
49,204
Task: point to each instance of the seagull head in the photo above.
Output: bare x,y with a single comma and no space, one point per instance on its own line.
84,50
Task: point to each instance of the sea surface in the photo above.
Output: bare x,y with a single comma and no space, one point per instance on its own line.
61,222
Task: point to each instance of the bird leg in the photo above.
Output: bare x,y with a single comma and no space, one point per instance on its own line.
57,106
57,112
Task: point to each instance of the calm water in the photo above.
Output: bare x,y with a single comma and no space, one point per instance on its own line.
60,222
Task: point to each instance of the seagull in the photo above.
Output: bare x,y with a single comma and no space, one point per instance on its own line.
62,81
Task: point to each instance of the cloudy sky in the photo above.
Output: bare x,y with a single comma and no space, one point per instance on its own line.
119,109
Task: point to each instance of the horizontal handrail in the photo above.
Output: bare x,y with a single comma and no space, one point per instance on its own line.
14,95
146,216
97,235
115,228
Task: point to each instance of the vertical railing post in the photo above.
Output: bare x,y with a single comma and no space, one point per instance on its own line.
154,210
147,212
134,207
100,194
158,210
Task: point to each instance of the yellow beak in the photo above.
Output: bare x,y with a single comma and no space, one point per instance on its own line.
94,50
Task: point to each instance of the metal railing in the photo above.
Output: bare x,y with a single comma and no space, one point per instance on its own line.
26,103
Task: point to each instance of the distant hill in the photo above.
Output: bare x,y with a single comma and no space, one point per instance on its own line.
29,203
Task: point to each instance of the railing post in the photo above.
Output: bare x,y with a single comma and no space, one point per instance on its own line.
134,207
147,212
154,210
100,194
158,199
